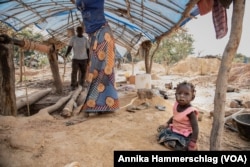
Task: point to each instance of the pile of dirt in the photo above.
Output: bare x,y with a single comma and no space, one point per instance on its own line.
195,66
240,75
207,67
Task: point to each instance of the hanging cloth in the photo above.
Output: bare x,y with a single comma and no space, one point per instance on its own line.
226,3
205,6
219,14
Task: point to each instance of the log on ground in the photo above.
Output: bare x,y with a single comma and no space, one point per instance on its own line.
57,105
32,98
68,109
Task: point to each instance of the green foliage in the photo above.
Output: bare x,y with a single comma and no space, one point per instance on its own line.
43,60
174,48
30,55
240,58
63,51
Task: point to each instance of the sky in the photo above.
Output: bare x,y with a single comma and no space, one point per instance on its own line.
203,33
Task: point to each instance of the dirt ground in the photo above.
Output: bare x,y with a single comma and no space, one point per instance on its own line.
44,140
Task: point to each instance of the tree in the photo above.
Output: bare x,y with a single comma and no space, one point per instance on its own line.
239,58
7,81
167,50
175,47
222,78
28,33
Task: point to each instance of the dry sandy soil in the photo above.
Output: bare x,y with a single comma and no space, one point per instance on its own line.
44,140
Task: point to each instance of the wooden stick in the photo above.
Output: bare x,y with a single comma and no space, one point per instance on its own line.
68,109
231,116
77,110
81,98
56,106
32,98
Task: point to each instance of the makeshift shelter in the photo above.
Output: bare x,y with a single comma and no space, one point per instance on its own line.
133,22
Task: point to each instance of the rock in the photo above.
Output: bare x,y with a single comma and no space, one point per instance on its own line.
232,89
169,85
145,94
236,104
200,116
73,164
246,104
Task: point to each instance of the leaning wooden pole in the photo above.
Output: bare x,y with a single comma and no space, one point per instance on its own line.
222,78
34,97
52,56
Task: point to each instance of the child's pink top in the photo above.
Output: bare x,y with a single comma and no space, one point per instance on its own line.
181,123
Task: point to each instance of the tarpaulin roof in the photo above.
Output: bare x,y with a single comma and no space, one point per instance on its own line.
132,21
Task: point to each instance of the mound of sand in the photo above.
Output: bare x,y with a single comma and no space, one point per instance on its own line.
195,66
240,75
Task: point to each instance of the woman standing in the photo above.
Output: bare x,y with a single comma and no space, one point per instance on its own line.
102,95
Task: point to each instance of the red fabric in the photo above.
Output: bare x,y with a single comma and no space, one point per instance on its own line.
205,6
219,19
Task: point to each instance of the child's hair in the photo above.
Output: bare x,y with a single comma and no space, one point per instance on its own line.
188,84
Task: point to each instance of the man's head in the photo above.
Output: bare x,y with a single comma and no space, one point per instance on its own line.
79,30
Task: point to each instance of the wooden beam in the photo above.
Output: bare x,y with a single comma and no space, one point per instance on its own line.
222,78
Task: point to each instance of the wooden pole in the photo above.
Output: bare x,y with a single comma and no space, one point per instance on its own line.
56,106
26,93
21,62
68,109
7,81
51,53
222,78
34,97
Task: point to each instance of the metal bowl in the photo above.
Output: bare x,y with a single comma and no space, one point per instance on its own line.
243,124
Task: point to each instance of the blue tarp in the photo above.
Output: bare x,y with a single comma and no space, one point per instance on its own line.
131,21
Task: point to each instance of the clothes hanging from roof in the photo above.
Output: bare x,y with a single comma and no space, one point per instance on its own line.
205,6
219,15
226,3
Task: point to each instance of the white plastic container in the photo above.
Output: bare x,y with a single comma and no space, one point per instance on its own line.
143,81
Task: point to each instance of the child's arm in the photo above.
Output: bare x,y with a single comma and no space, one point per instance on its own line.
194,123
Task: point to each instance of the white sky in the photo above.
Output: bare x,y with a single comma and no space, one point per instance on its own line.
203,33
